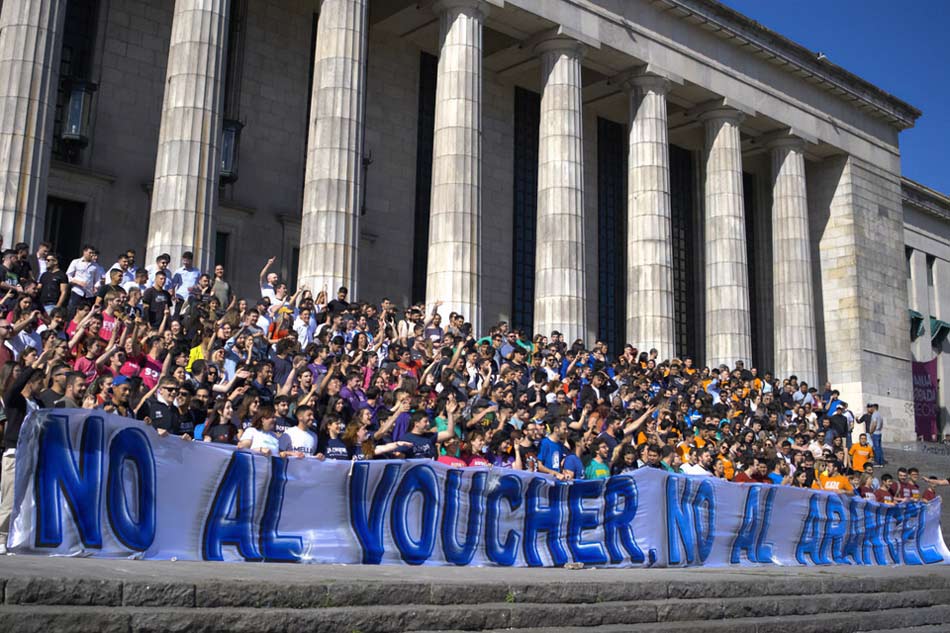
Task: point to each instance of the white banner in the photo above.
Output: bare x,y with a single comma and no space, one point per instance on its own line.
91,483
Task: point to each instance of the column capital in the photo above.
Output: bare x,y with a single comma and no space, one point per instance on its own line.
479,7
721,113
722,108
559,43
784,139
787,141
646,82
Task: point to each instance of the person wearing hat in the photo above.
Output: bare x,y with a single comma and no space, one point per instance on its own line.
121,390
450,457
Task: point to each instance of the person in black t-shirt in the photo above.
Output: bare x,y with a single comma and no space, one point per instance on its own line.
339,304
219,427
57,392
332,446
9,280
114,286
54,286
157,300
21,264
423,441
187,417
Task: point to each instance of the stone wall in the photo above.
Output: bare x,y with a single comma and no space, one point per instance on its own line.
386,243
119,163
857,245
497,198
262,209
114,180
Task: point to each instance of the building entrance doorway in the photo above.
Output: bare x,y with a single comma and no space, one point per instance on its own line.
64,228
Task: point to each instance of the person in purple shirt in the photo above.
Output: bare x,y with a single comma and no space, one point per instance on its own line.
401,426
500,451
352,393
319,366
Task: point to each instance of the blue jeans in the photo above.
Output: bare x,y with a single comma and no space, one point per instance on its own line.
878,450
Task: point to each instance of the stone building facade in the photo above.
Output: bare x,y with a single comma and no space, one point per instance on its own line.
663,172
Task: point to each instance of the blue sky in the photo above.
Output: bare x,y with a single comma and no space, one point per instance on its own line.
902,47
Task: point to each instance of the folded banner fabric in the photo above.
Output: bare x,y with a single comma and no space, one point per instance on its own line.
94,484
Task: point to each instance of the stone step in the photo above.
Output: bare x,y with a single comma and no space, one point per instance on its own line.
926,628
932,619
211,593
837,612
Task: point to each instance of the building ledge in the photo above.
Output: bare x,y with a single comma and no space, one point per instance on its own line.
925,199
778,49
232,205
83,172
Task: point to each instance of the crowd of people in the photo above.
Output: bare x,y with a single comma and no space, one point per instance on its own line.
310,375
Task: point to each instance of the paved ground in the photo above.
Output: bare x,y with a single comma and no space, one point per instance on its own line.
187,571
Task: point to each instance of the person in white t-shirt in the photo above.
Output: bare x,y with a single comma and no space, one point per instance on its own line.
299,441
268,280
700,463
260,437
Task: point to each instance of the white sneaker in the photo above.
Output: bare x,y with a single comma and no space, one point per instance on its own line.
3,549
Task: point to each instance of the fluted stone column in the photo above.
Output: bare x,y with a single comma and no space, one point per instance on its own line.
794,299
560,293
941,310
650,318
728,325
30,41
185,189
329,231
918,295
454,263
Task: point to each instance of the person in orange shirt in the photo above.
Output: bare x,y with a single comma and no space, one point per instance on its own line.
728,465
833,480
728,468
861,453
688,368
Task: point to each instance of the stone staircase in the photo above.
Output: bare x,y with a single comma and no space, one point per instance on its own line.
779,600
